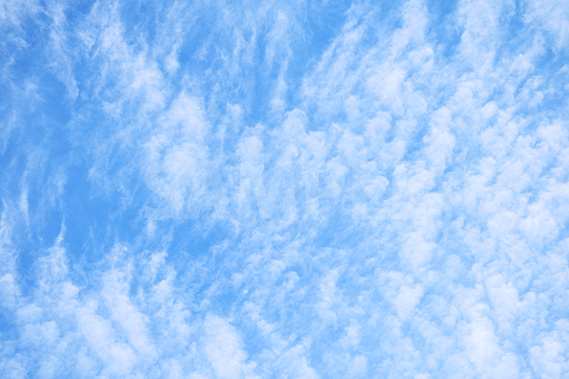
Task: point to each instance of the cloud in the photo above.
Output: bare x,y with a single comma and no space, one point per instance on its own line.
292,190
177,158
224,350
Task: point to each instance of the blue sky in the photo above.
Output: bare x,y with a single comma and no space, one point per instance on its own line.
259,189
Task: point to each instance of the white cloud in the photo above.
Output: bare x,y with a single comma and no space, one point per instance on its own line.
224,351
177,159
291,190
407,300
554,16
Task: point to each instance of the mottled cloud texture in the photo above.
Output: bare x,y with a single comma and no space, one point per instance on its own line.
284,189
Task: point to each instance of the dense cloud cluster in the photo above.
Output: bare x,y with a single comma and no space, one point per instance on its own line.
284,189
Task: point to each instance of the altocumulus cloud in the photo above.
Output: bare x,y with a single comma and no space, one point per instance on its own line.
214,189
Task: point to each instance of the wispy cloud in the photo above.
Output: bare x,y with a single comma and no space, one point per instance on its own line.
294,190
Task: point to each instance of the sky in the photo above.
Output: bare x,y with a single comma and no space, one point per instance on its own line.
284,189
